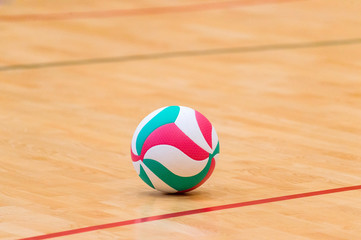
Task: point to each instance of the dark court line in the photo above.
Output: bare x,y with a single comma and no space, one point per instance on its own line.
137,11
177,54
192,212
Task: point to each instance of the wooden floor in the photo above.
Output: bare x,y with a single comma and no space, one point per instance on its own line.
280,80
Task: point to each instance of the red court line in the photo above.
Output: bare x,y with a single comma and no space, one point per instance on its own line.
138,11
191,212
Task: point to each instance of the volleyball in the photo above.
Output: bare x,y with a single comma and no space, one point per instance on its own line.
174,149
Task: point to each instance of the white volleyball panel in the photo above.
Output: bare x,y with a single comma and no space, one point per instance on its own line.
216,157
137,166
157,182
187,122
214,139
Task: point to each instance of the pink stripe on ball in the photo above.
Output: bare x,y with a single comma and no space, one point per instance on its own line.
170,134
206,127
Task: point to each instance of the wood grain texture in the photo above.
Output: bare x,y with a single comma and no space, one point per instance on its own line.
288,119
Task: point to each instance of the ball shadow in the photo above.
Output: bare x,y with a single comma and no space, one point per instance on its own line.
189,195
